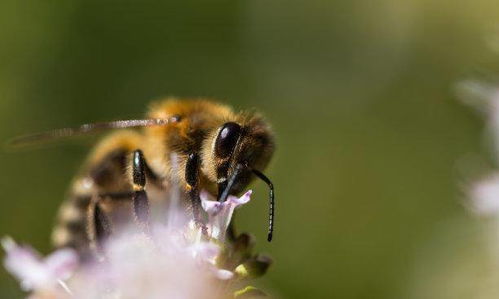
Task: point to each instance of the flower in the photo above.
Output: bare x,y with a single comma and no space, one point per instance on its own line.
484,96
135,267
180,259
36,273
220,213
484,196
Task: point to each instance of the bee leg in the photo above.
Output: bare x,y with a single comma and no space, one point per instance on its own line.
192,179
99,227
139,195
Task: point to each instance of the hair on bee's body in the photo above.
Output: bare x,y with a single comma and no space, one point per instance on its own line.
216,149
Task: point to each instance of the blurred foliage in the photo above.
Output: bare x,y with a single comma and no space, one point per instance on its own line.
360,94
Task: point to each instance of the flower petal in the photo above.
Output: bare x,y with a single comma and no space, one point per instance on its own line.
245,198
484,200
211,207
62,263
25,265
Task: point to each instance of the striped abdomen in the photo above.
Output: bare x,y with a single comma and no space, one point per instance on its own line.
105,176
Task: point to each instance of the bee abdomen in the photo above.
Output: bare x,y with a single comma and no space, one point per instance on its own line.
70,229
105,173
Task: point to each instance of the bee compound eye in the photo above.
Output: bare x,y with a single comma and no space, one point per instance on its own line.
227,139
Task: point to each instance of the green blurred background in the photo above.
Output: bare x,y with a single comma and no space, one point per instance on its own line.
371,140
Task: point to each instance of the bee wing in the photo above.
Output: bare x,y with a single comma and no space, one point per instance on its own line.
43,137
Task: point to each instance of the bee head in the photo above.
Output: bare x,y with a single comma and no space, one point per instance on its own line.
235,148
237,152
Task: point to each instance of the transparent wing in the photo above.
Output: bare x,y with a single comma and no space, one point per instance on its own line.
44,137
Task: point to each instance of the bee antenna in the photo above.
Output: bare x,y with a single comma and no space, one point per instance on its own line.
271,202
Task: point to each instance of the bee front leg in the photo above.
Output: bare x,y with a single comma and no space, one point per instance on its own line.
192,179
139,195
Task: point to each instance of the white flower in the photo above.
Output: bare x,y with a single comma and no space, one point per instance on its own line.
485,196
35,272
484,97
173,260
220,213
135,267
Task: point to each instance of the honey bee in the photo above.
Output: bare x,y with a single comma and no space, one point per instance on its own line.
129,171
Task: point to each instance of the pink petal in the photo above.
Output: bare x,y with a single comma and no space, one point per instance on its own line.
485,195
62,263
24,264
211,207
245,198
